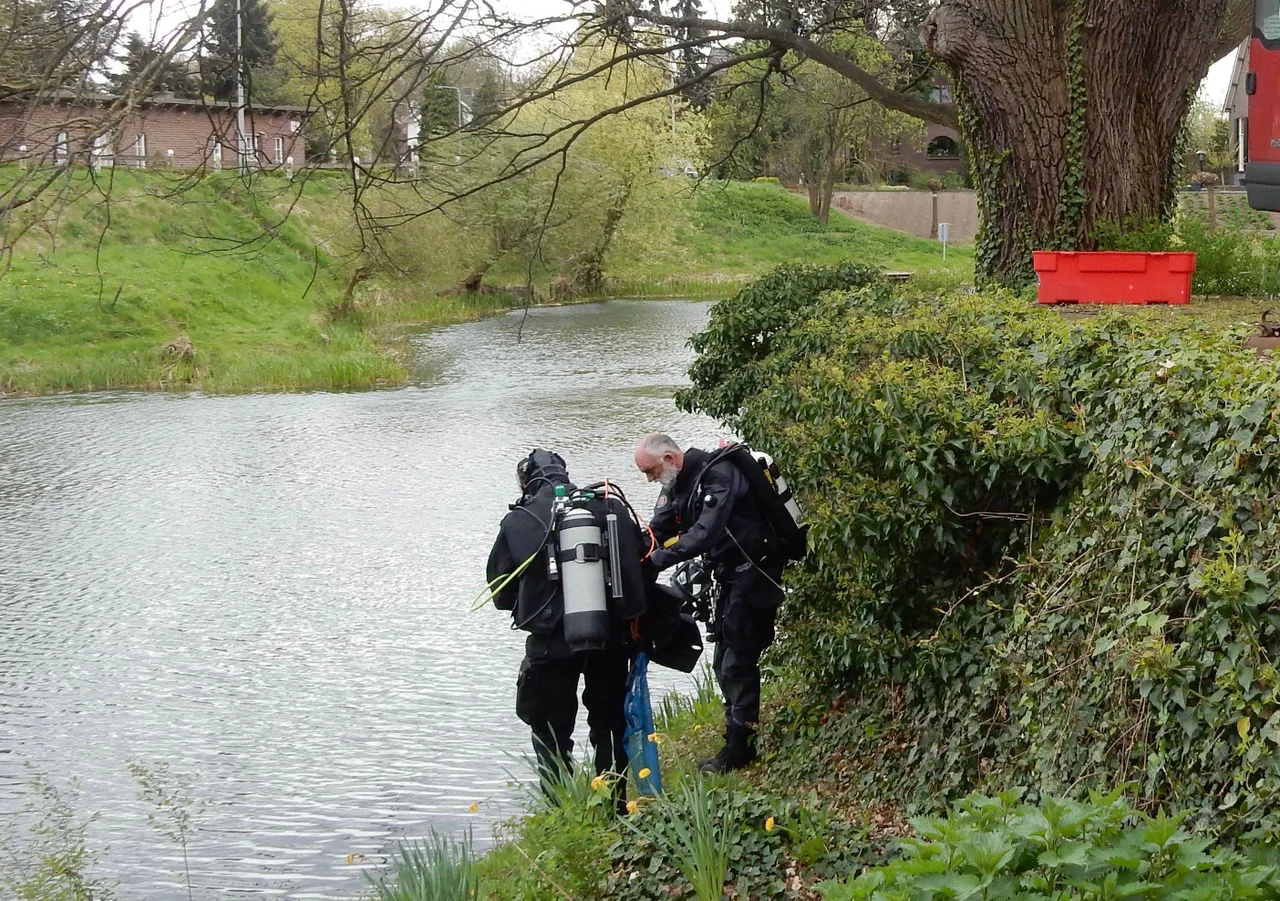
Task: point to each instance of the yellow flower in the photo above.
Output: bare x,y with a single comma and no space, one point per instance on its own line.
351,858
597,783
644,773
632,806
768,825
657,738
475,807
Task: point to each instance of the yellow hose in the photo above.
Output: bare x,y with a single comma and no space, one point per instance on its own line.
486,594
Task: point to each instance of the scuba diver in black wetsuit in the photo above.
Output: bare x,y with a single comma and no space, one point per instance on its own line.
566,563
721,505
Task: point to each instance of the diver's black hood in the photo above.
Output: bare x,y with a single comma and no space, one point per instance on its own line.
540,470
528,524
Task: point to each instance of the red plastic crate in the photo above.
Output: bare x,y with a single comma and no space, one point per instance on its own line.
1114,276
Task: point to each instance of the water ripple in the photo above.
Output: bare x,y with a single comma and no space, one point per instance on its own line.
269,594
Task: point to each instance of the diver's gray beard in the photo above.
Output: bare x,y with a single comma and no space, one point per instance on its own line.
668,477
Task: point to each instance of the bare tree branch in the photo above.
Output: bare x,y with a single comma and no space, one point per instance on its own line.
942,114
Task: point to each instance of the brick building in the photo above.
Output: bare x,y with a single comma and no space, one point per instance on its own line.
159,131
938,152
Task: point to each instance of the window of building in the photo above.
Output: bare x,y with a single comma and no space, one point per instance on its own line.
943,148
215,154
895,146
942,94
140,150
259,145
279,151
102,151
61,149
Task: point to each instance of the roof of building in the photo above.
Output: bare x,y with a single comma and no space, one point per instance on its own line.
93,98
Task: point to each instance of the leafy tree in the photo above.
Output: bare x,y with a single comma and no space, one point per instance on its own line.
218,47
440,107
566,213
1071,109
54,44
151,68
811,126
691,60
487,100
1209,132
352,63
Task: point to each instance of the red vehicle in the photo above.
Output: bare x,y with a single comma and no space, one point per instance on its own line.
1262,84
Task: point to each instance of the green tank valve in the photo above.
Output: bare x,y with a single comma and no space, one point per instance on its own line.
559,491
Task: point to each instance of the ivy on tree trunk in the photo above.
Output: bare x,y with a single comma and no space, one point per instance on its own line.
1072,111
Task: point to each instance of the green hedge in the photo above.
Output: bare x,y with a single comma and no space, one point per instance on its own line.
1044,552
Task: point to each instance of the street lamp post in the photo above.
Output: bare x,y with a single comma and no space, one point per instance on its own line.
242,152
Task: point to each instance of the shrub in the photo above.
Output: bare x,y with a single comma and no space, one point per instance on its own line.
1042,552
745,331
1152,236
1230,260
992,849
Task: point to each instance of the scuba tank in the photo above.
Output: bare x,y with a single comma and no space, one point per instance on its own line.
784,492
582,578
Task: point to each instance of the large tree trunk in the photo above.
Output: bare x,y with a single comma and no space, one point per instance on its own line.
1072,110
814,183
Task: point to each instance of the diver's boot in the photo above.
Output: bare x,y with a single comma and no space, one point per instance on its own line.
739,750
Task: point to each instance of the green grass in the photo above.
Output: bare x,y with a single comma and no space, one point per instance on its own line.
129,264
733,232
92,297
91,302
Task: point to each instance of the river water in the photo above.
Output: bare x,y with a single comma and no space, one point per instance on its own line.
268,595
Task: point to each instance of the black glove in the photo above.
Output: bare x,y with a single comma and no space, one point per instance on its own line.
662,558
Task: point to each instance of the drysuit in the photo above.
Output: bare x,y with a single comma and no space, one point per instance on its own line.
546,689
711,510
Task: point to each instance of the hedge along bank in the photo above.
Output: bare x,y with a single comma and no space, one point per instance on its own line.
1044,552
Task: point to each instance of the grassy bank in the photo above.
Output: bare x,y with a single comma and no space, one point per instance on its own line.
141,281
731,233
776,843
136,284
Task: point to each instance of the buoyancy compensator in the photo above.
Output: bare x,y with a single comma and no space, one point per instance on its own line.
774,495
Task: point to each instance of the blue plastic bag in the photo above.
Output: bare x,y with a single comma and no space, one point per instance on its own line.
642,750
